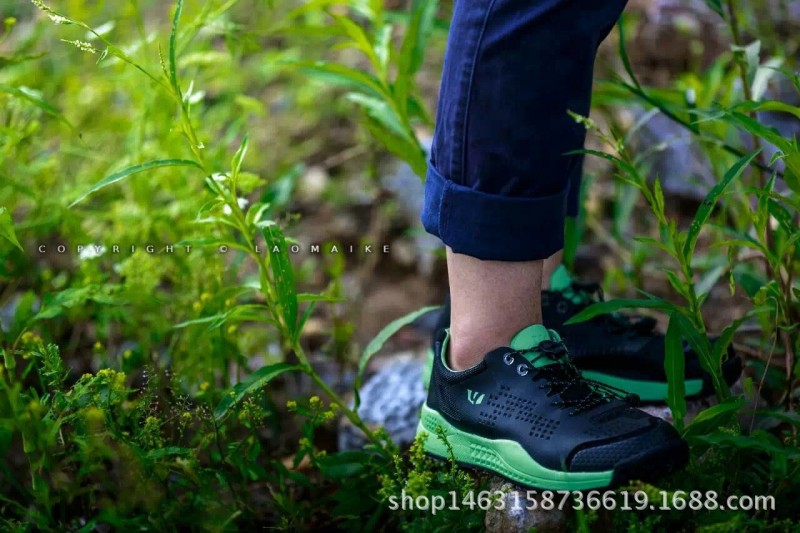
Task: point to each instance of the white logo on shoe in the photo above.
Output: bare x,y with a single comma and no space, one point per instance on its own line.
474,397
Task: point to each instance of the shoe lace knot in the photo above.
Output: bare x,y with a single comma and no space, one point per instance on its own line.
562,378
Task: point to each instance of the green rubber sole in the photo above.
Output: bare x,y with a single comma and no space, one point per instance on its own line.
506,458
648,391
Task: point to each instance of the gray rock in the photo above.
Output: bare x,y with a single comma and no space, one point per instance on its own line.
692,408
673,155
391,398
515,515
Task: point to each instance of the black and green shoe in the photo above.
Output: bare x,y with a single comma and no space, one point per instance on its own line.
526,414
621,351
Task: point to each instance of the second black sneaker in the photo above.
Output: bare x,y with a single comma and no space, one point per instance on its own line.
620,350
526,413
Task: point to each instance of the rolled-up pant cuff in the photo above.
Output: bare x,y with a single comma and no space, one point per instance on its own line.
490,226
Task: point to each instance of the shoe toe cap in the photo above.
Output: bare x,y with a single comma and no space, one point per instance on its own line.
643,446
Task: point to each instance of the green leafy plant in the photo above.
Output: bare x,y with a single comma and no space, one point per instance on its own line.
388,95
166,390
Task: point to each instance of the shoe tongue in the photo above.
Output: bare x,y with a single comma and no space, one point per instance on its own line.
527,339
560,279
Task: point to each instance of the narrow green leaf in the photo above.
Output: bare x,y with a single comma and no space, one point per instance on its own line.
782,215
360,39
55,304
716,7
412,51
697,340
675,368
712,418
423,21
409,151
7,228
789,148
305,317
30,96
383,113
704,211
383,43
242,313
650,241
122,174
283,276
774,447
720,347
611,306
238,158
623,54
341,75
751,53
309,297
710,279
767,105
677,284
173,37
751,125
279,192
251,383
609,157
418,110
380,339
658,198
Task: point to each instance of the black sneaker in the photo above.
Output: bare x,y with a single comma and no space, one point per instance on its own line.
526,413
621,351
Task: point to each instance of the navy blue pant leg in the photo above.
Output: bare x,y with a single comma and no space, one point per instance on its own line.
501,181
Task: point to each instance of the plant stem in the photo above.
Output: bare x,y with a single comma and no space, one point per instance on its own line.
772,273
294,344
346,411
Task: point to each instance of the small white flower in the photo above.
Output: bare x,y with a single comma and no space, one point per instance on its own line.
691,96
243,202
58,19
83,45
91,251
196,97
219,177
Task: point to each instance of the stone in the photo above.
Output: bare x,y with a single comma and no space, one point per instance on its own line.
674,156
391,398
514,516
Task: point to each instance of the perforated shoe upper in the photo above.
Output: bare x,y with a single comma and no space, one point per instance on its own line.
538,400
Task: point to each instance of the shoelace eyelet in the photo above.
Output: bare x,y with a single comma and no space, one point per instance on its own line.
508,358
522,370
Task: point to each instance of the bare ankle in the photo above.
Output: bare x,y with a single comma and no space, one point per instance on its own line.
467,348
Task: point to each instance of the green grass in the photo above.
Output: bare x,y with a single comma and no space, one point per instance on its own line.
155,390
